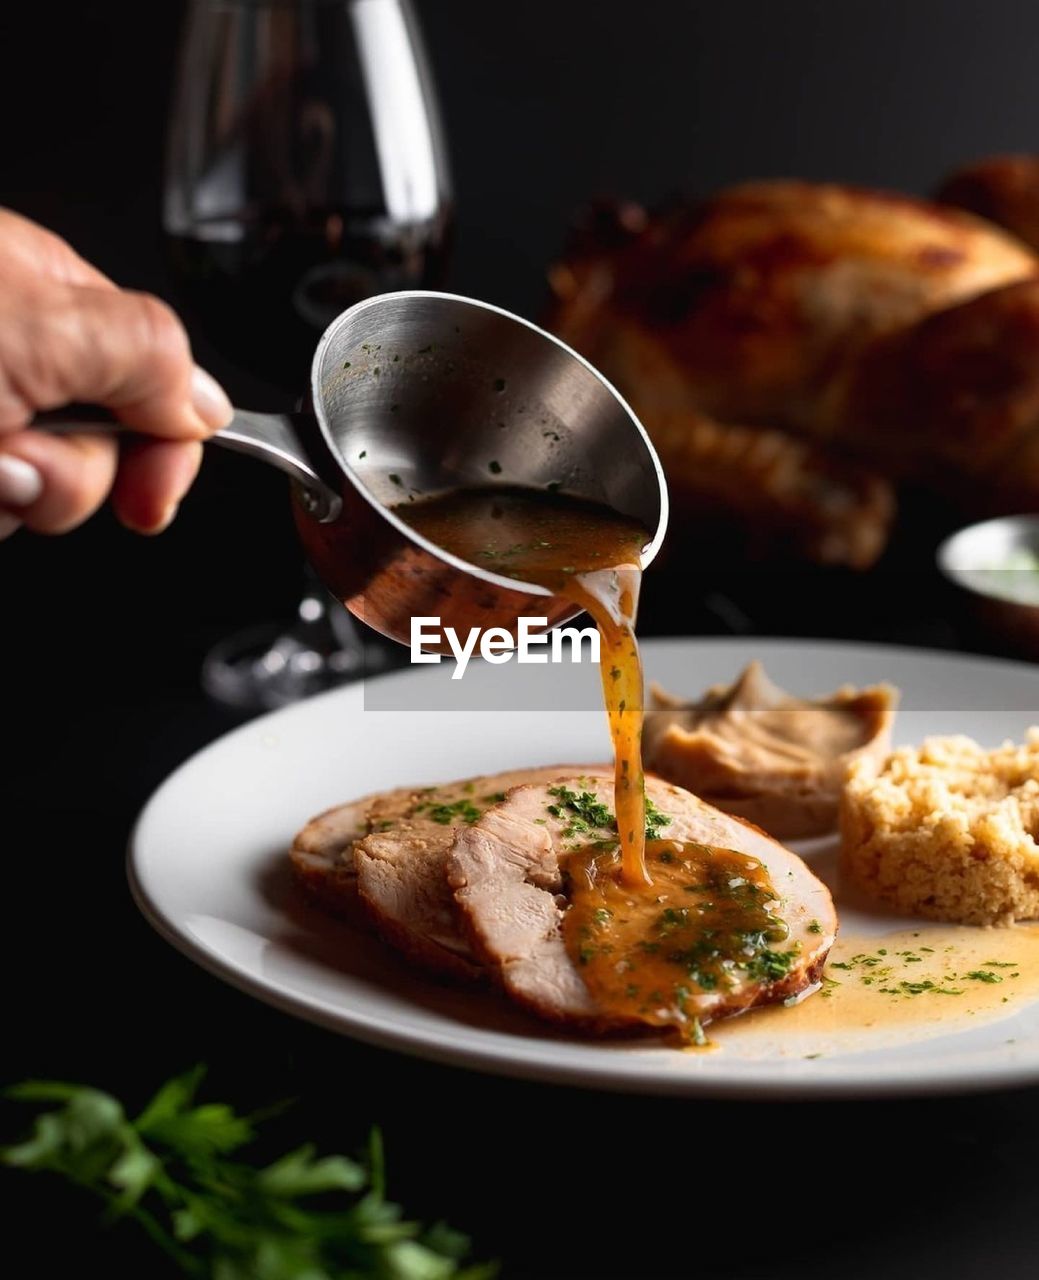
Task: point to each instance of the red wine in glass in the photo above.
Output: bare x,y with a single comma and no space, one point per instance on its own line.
269,293
305,170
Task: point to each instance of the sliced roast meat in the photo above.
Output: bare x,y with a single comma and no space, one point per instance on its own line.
507,872
322,855
400,863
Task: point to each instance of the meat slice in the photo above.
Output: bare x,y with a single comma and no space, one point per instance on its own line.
400,863
322,855
507,874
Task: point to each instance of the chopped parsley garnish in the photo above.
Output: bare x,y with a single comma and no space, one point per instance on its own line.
771,966
445,814
585,814
655,820
585,810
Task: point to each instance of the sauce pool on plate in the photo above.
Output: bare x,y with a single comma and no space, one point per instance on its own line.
882,990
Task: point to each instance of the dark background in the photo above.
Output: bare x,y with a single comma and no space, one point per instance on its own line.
546,103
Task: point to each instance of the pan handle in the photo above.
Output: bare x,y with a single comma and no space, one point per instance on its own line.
272,437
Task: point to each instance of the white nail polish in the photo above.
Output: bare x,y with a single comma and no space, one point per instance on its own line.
209,399
8,524
20,482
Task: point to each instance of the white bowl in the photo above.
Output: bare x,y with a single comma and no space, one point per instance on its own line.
996,563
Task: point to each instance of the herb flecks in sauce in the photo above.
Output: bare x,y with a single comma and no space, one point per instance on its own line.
706,928
900,988
884,970
590,555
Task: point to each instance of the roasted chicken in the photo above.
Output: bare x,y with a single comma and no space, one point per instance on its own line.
798,350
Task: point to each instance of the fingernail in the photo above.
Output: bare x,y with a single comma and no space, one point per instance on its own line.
209,399
163,523
20,482
167,519
8,524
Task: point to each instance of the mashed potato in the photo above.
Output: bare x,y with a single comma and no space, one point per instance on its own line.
947,830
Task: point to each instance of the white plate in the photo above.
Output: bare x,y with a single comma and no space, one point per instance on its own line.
207,862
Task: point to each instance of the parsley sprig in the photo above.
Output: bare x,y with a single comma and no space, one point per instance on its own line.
304,1217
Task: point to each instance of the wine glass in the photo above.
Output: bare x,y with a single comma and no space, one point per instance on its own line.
305,170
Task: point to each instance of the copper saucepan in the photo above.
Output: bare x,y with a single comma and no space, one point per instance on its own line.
415,393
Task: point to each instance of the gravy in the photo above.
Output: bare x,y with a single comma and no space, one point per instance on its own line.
588,554
708,925
884,990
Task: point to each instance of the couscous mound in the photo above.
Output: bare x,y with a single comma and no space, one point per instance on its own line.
947,830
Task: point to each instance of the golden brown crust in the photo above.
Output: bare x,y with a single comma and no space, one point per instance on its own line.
1002,189
780,309
956,395
781,493
760,295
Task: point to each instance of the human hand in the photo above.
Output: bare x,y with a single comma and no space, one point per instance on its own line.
67,333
